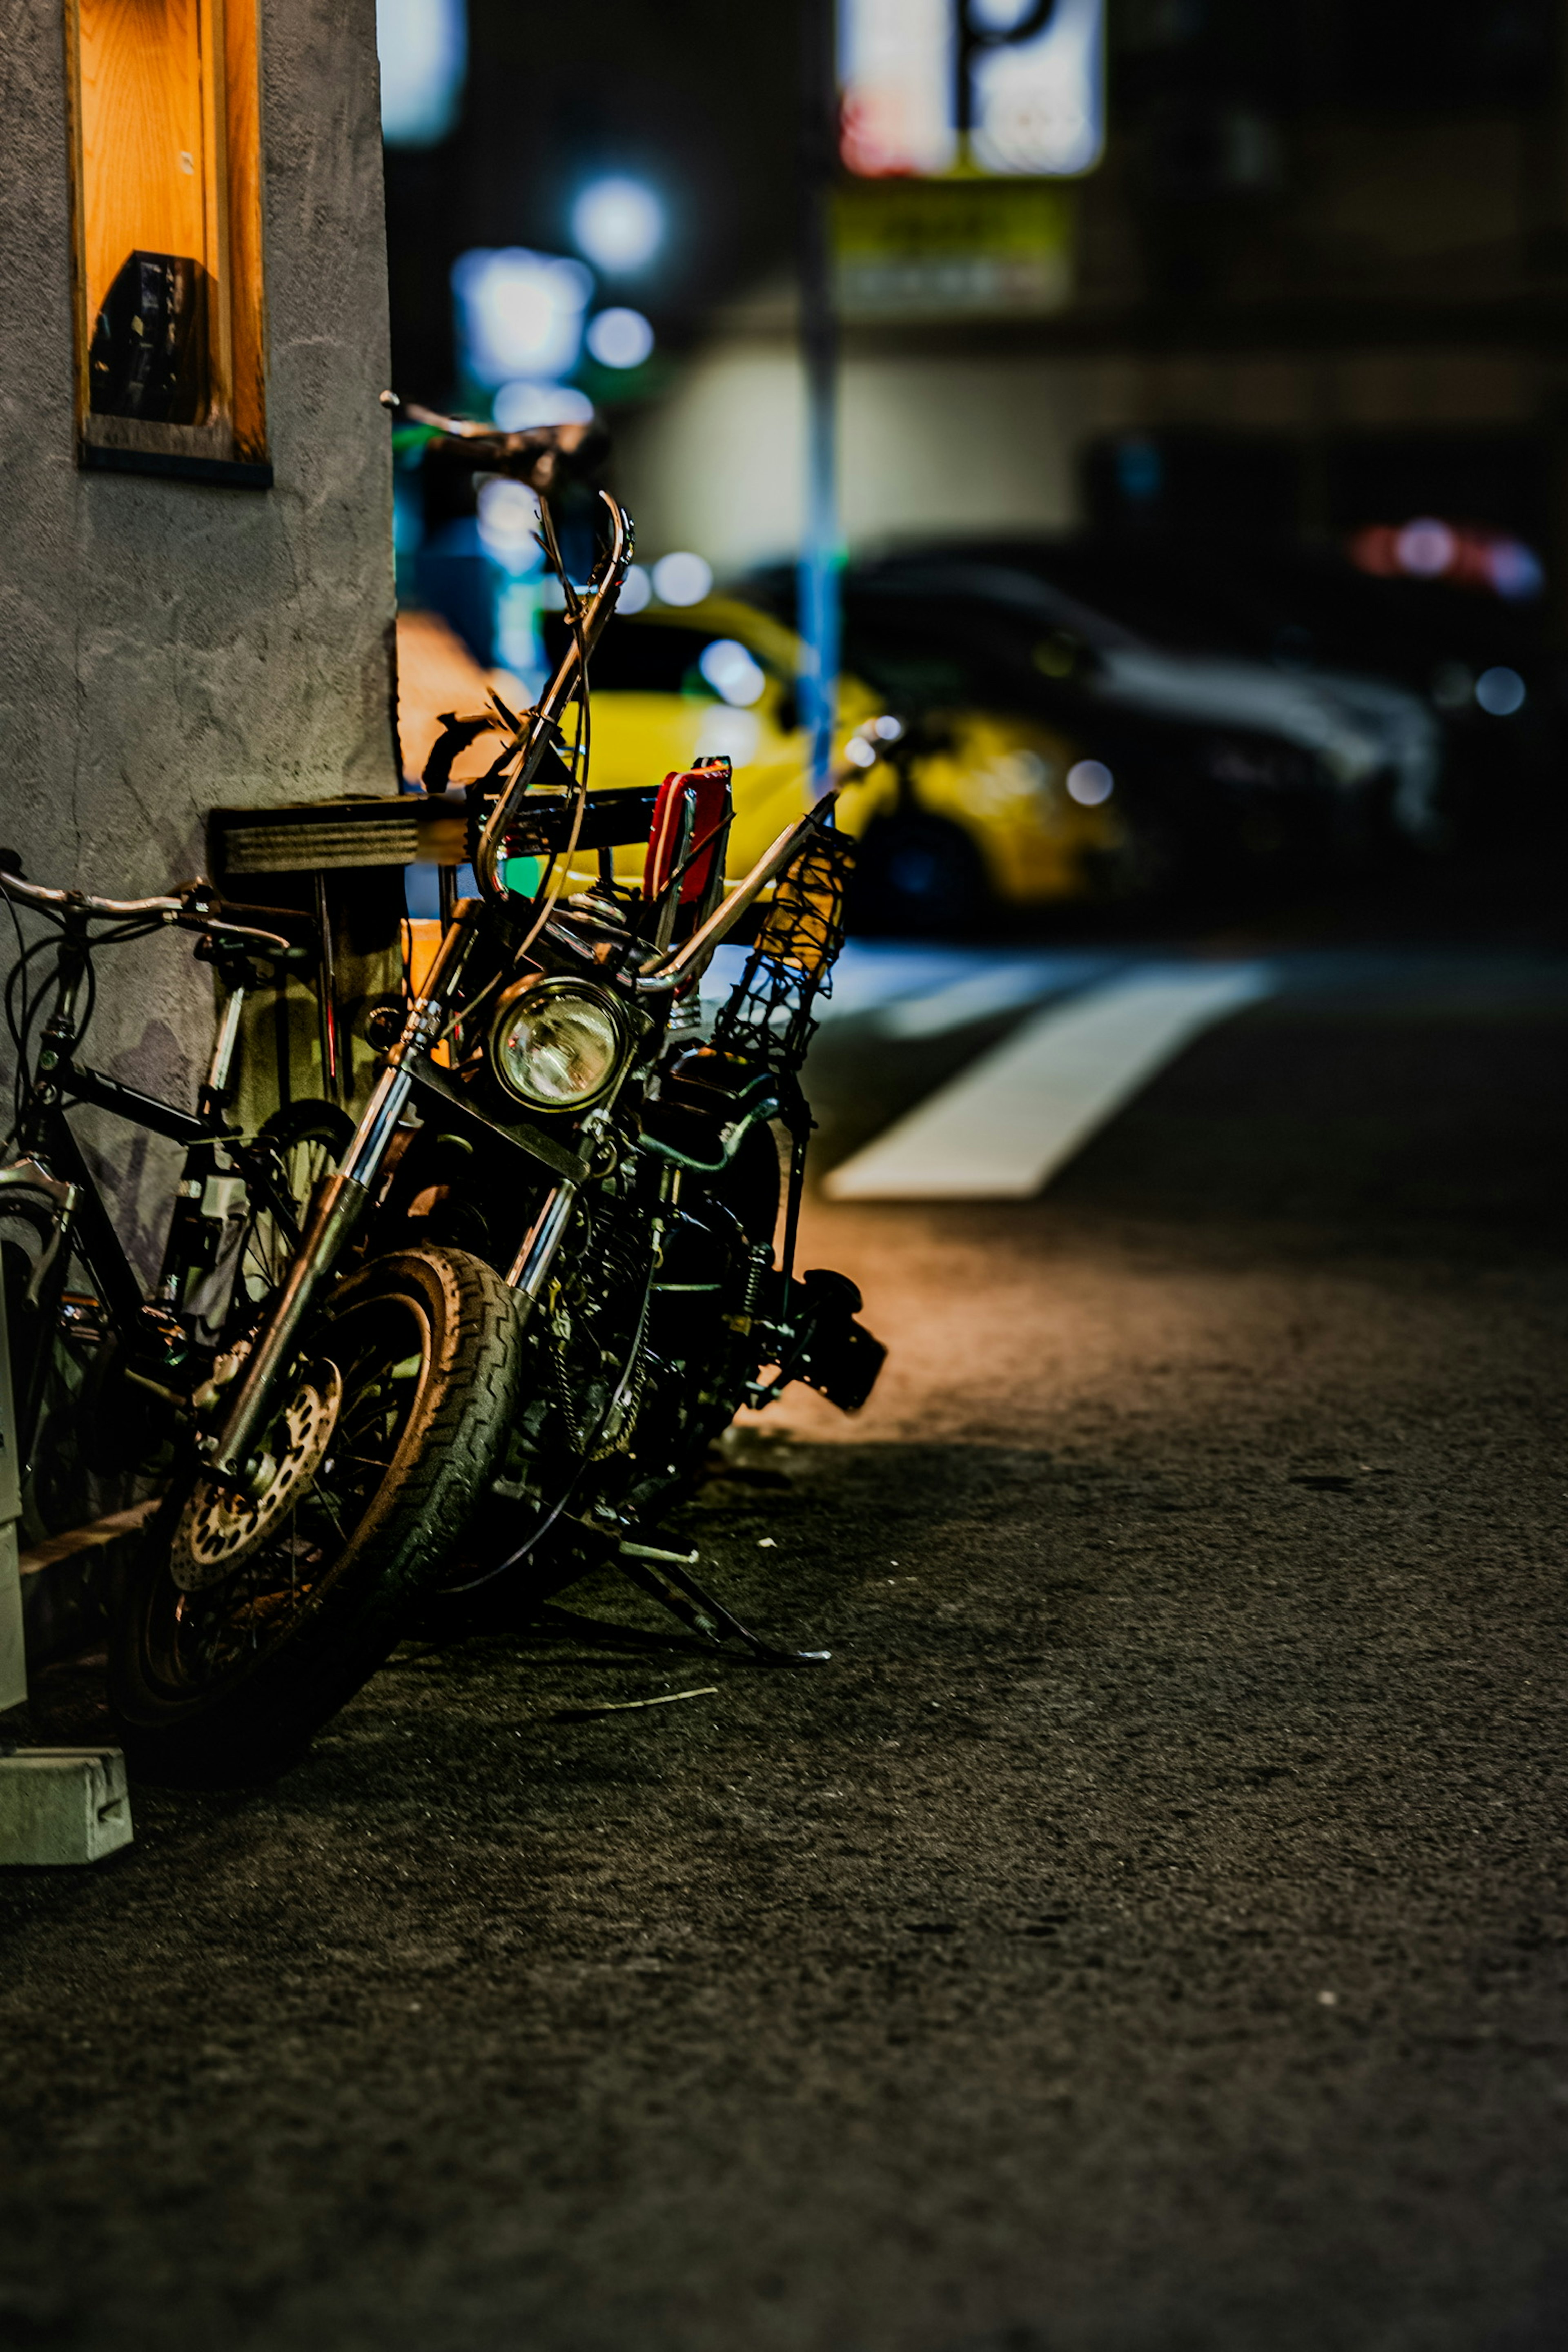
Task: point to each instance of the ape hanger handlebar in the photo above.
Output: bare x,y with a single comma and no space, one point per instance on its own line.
537,457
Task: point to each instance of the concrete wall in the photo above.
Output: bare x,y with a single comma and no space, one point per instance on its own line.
928,444
166,645
933,444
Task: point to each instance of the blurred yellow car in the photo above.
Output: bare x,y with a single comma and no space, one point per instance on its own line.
971,810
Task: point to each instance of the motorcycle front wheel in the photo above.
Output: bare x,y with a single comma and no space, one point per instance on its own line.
247,1623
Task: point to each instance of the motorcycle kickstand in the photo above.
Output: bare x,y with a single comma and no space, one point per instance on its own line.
666,1576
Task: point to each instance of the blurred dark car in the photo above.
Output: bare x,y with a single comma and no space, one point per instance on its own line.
1226,769
1485,662
1480,663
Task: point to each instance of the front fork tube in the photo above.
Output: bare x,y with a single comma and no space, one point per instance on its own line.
343,1204
531,1269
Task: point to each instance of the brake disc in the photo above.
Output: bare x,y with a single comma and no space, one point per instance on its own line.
219,1529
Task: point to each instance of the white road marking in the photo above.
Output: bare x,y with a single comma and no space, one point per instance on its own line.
1002,1129
873,973
978,994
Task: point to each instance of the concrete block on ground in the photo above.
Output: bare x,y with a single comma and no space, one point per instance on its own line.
62,1805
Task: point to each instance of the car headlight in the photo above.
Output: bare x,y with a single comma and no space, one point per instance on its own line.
555,1045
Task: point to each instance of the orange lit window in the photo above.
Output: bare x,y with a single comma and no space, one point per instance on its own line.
171,358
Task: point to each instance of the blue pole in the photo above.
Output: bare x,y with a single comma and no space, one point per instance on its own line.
820,554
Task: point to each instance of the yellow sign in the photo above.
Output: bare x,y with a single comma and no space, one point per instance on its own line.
923,250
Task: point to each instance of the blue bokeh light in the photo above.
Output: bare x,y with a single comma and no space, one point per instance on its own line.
424,50
619,223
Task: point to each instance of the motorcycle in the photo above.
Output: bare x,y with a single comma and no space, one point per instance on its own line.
542,1277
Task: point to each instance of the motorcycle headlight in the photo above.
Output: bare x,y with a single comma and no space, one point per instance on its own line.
556,1044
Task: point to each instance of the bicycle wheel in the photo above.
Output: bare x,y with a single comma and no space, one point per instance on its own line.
305,1142
53,1336
247,1625
232,1243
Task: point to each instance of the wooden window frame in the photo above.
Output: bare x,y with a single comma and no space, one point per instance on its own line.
229,446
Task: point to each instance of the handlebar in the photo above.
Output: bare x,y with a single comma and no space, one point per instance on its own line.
218,927
535,456
606,588
36,894
189,910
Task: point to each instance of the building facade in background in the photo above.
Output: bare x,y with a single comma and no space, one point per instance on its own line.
1316,284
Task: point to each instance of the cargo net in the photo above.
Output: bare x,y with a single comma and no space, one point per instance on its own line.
768,1013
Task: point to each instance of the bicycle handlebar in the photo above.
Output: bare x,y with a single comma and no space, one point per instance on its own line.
219,927
186,912
37,894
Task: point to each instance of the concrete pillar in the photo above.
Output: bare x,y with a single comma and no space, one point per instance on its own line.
165,644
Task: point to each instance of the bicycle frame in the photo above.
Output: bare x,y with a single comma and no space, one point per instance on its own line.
51,1172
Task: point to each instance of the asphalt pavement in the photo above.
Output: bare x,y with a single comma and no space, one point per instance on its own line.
1148,1933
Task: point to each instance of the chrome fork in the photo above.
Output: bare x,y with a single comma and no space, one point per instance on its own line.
343,1201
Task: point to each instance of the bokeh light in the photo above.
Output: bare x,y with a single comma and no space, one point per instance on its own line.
1499,691
509,525
636,592
1090,782
1426,548
1517,572
423,51
620,339
521,404
1464,554
731,673
681,578
520,314
619,224
727,734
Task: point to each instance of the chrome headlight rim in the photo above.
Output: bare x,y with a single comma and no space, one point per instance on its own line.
536,990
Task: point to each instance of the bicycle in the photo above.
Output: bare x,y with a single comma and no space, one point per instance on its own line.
104,1372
